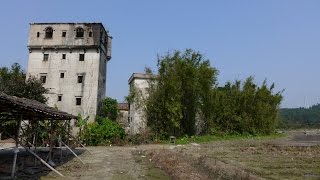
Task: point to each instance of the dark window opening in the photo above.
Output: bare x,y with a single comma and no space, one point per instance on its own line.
59,97
49,32
81,57
43,79
79,32
80,79
78,101
64,34
63,56
61,75
45,57
90,34
38,34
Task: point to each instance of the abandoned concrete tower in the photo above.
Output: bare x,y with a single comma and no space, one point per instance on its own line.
138,82
71,60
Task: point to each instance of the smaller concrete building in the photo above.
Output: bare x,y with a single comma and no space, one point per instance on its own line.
123,116
138,83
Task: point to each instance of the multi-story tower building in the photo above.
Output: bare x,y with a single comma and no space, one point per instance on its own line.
71,60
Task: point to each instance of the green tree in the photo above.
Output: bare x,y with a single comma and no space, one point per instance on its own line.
184,97
13,82
245,108
180,93
109,108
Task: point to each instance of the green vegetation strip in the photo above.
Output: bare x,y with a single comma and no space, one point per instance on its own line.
209,138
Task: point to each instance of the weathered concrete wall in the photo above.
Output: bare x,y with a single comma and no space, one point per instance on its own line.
68,86
102,78
136,112
123,120
137,119
98,34
93,68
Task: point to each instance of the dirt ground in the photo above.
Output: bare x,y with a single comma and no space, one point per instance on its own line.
114,163
296,156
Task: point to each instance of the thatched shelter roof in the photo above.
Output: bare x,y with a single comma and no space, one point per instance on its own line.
14,107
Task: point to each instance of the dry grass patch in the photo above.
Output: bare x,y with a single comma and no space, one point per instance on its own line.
259,158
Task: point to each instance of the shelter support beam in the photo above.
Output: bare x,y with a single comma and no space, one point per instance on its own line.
72,152
16,149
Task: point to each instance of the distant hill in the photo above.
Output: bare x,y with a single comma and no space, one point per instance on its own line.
300,117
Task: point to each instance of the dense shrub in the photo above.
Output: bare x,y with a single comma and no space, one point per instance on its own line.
144,137
109,109
102,132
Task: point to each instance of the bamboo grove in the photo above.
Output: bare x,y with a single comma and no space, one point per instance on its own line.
185,98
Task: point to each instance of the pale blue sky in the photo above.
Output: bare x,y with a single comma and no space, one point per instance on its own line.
277,40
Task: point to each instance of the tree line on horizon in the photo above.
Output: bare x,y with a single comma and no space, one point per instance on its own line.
293,118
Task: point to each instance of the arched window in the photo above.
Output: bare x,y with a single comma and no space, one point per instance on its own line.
49,32
79,32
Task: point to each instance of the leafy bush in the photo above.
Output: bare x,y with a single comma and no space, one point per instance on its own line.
102,132
13,82
144,137
109,108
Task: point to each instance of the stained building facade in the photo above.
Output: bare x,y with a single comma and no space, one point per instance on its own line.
71,60
138,84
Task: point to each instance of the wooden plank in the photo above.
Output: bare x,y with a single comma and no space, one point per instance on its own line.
72,152
50,167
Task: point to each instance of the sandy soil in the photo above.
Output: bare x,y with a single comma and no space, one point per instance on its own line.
294,157
111,163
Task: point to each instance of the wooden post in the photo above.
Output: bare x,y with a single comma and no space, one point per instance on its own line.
60,145
50,142
72,152
85,148
50,167
68,126
34,154
35,139
16,150
44,162
69,135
